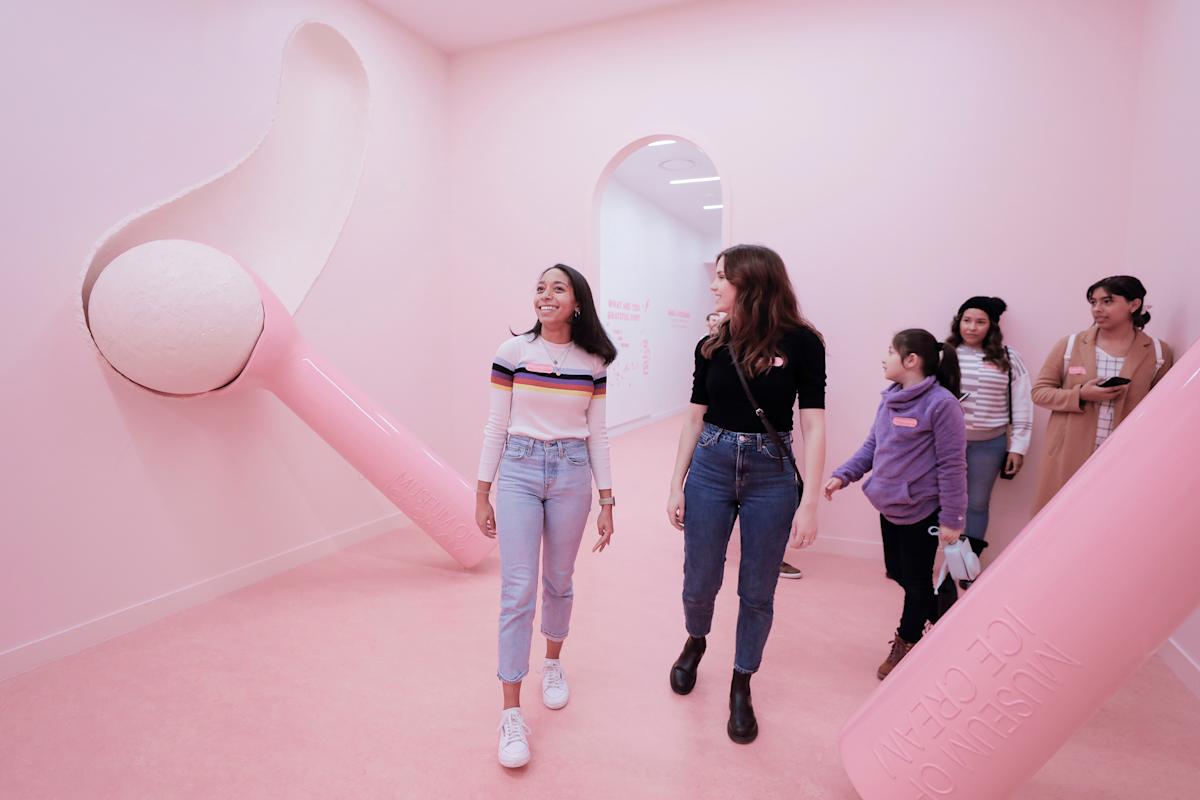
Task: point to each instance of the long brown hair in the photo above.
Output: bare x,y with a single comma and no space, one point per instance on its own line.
765,308
586,329
993,341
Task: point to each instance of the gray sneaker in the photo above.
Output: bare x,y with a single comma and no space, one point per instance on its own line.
786,570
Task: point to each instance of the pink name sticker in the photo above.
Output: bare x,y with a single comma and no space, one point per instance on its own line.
904,422
543,368
1077,371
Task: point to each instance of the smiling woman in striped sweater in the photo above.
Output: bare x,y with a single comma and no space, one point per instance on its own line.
546,435
997,404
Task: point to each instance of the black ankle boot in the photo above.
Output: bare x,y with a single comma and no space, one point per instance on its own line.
977,547
683,671
742,727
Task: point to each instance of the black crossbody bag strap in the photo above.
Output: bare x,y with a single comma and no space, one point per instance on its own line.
1004,473
1010,380
762,416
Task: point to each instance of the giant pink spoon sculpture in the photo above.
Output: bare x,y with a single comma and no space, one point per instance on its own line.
171,302
183,318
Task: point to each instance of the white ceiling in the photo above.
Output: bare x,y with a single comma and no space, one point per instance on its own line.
458,25
642,171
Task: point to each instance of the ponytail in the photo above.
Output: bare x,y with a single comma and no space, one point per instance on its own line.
936,358
948,373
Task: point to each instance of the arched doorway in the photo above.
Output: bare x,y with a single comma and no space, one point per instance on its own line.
661,213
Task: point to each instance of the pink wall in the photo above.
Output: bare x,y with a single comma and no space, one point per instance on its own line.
1164,238
901,157
115,499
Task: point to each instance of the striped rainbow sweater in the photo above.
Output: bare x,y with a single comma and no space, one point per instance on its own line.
528,399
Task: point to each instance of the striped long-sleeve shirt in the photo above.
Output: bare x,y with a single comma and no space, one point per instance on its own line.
987,407
530,398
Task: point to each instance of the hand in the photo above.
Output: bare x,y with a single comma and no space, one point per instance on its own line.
804,526
485,518
675,508
833,485
1093,392
949,535
1014,463
604,526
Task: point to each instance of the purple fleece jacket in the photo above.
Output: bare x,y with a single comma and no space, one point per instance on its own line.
917,455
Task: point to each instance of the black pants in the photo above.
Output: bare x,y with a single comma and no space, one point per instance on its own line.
908,555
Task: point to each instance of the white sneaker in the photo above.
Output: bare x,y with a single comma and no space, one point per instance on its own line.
554,684
514,744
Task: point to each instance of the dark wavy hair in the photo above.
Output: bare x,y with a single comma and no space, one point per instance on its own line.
1128,287
993,342
766,307
936,358
586,330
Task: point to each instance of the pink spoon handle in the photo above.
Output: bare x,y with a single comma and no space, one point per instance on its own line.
429,492
1091,587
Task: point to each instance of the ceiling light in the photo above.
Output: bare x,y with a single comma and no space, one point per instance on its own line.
661,142
694,180
711,208
677,164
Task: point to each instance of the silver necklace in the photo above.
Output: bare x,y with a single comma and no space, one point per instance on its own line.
559,362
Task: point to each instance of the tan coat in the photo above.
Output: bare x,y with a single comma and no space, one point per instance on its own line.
1071,434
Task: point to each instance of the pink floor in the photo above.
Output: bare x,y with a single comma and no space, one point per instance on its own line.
370,673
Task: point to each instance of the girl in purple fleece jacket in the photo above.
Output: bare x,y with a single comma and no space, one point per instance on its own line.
916,453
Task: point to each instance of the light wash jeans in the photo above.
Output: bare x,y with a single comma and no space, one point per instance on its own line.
984,462
543,497
736,476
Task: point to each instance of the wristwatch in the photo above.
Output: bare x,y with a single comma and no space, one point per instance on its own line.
608,501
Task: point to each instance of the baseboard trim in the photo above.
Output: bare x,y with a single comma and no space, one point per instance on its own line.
855,548
1182,665
36,653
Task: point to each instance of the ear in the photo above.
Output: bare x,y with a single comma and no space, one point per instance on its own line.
1138,307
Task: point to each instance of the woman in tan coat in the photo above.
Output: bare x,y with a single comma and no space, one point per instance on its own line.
1072,382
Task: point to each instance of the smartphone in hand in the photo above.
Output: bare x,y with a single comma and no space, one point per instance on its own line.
1113,382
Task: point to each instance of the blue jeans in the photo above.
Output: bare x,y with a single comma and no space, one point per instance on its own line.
984,462
543,497
736,475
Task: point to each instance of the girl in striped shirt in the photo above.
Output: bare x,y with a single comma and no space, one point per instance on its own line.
997,403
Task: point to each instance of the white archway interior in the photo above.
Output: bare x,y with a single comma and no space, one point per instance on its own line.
659,231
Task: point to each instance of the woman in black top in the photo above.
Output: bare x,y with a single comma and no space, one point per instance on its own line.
734,468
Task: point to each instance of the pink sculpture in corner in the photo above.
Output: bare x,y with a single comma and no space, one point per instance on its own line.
164,308
1089,590
172,299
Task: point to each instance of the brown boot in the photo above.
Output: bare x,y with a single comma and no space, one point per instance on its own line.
900,649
